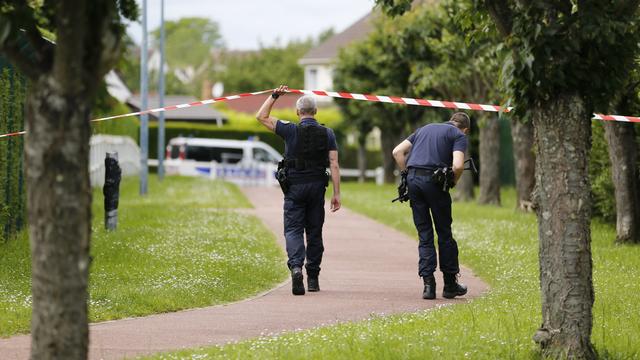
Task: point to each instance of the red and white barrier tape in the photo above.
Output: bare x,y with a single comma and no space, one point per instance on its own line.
166,108
345,95
442,104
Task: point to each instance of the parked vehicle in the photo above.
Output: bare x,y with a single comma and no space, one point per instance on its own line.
239,161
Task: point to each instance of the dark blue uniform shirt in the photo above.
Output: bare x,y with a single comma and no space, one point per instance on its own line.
287,131
434,144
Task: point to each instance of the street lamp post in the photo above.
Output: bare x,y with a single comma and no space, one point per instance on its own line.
161,140
144,94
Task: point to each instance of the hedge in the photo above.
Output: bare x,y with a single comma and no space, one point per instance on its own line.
240,126
187,129
12,193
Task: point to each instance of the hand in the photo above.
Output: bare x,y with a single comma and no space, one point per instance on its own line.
282,89
335,203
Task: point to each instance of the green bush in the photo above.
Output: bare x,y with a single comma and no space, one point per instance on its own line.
12,194
240,126
348,158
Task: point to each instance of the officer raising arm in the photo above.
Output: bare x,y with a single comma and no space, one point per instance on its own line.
309,149
431,150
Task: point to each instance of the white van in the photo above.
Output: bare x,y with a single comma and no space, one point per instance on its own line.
240,161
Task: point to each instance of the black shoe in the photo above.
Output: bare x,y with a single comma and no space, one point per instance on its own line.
312,284
297,283
429,292
451,286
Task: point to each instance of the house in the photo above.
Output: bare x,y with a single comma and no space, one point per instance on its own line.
116,87
319,62
200,114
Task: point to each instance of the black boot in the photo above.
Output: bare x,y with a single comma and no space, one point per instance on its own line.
451,286
312,283
429,292
297,283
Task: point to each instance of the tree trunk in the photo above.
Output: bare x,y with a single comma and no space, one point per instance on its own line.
464,187
388,142
562,196
489,161
621,139
523,151
59,211
362,157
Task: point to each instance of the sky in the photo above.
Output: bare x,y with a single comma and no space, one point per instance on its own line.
245,24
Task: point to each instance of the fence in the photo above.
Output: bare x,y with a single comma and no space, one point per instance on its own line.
256,174
377,174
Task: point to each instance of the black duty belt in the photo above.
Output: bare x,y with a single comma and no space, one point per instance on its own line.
307,180
308,164
421,172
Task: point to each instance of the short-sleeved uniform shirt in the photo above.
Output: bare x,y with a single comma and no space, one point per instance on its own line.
287,131
433,145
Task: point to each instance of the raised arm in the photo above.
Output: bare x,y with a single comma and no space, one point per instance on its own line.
264,114
335,179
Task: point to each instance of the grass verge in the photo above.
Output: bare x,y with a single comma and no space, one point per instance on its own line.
178,247
501,246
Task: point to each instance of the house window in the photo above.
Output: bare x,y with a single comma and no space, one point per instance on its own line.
312,79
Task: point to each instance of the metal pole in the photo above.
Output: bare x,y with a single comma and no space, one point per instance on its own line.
161,91
144,93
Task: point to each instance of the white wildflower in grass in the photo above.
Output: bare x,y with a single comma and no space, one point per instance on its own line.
501,246
179,247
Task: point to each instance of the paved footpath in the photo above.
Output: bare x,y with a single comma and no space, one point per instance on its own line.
368,268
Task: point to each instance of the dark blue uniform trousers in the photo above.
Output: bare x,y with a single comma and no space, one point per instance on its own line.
304,213
429,201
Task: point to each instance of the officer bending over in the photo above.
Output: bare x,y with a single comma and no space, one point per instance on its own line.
432,147
309,149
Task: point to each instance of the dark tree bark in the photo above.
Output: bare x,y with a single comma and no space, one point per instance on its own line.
489,160
464,190
64,79
362,157
525,159
623,148
59,203
564,208
389,140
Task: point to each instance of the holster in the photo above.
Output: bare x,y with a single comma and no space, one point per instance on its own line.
283,177
444,178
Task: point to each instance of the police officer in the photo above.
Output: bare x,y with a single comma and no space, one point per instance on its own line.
431,147
309,149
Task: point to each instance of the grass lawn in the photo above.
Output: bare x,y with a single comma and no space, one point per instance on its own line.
501,246
179,247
